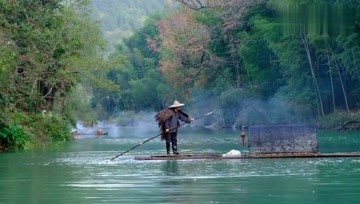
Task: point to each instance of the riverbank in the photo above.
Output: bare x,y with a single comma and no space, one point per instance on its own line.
340,121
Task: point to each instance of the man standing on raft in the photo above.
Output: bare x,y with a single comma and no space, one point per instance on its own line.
168,121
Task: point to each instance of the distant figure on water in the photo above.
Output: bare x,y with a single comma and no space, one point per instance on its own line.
168,121
243,136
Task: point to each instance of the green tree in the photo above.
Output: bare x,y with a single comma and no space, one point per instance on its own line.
46,48
138,78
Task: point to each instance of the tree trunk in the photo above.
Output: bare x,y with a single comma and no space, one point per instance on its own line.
332,84
235,59
341,80
307,49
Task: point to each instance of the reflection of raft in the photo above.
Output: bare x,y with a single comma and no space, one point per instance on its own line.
249,156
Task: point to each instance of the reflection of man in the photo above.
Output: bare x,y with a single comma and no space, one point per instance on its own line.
171,195
168,121
170,168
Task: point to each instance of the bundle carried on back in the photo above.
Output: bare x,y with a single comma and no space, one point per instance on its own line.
161,117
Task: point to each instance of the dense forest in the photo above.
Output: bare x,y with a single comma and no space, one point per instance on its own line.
46,47
252,61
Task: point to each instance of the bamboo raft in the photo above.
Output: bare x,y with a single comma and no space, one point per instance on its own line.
269,141
248,156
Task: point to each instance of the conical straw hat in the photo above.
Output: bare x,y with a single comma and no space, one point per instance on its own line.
176,104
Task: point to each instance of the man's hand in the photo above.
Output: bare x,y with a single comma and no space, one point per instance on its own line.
167,130
192,119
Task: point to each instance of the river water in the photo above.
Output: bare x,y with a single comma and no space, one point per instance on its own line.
81,172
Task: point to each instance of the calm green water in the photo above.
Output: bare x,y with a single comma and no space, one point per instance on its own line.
81,172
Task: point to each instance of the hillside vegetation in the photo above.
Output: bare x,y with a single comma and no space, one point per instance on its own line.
250,61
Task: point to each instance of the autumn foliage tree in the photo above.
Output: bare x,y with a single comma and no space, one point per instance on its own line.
253,52
185,52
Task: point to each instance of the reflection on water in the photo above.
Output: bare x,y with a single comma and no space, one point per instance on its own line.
170,168
81,172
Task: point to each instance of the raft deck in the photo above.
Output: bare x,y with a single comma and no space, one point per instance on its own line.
248,156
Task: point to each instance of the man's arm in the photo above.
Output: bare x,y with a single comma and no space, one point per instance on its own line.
185,117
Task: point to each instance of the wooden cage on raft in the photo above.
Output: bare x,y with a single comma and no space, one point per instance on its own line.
282,139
